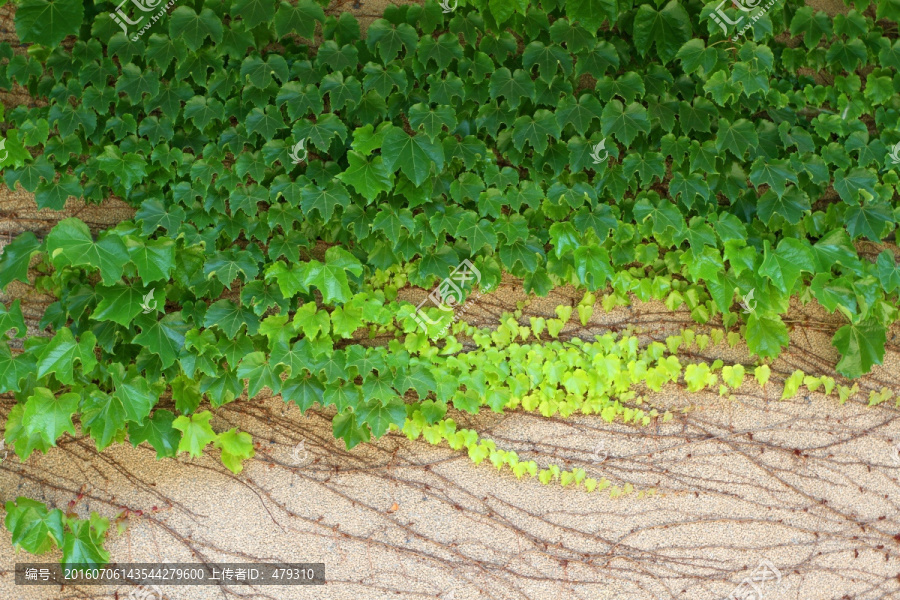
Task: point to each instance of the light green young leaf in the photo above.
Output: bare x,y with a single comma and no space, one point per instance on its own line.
236,447
196,432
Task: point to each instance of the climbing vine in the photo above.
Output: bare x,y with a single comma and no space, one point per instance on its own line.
291,176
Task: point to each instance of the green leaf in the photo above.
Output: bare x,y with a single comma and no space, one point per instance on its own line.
389,38
165,337
368,177
511,86
592,267
648,165
295,358
549,59
417,377
35,132
813,26
849,54
888,272
625,122
129,168
236,448
690,188
775,174
414,155
791,205
135,82
134,393
18,153
848,185
50,416
342,396
154,259
34,528
223,388
259,373
120,304
345,427
196,432
59,356
502,10
889,9
225,266
667,29
253,12
738,137
319,134
861,346
30,175
301,100
25,442
324,199
300,18
380,416
230,318
162,49
341,91
477,233
266,123
303,391
535,130
872,219
84,546
12,319
695,55
663,216
784,265
521,251
331,277
831,292
158,431
202,111
48,22
766,335
187,25
53,194
432,120
16,258
103,416
578,113
591,13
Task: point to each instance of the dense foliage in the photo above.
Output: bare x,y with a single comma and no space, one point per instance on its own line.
728,167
